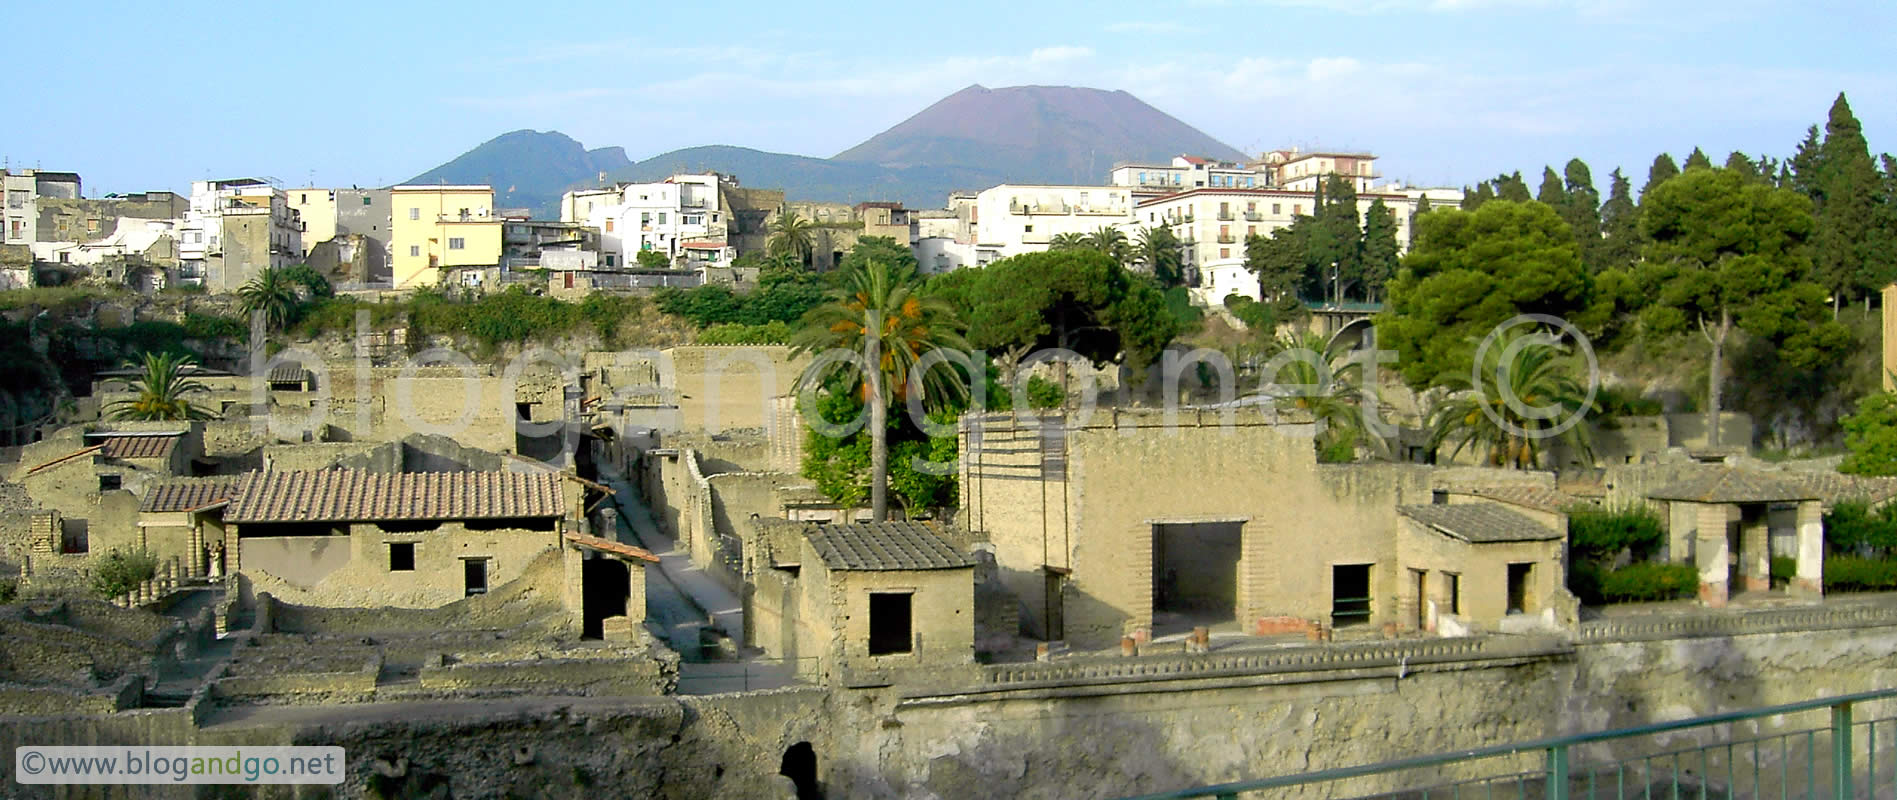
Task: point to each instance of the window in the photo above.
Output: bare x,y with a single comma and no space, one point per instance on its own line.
414,213
457,243
645,218
691,219
1225,252
661,218
1454,585
414,251
401,556
609,259
16,198
1277,208
474,576
609,224
1297,208
1520,600
303,198
1027,229
365,199
889,623
110,483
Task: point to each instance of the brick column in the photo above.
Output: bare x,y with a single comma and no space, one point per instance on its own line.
1755,556
1809,581
1713,562
1139,596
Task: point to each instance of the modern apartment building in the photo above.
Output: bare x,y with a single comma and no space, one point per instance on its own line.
1011,219
20,193
681,218
441,228
235,228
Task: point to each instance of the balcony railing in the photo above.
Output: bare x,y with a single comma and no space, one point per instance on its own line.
1036,208
1829,760
1226,238
1225,216
1253,216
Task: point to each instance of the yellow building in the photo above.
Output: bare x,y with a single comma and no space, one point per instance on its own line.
441,227
318,209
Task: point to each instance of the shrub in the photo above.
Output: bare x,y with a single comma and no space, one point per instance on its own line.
9,588
1871,436
1855,574
1784,568
1852,528
1600,534
212,326
1044,394
1648,582
120,572
773,332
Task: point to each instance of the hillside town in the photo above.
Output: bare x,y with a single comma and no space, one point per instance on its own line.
1210,476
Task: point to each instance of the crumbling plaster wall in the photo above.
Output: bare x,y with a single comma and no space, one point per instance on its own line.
354,570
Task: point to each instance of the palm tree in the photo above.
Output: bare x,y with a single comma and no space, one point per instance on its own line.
1326,380
1112,241
1527,391
271,292
880,314
790,235
1159,250
1067,241
163,389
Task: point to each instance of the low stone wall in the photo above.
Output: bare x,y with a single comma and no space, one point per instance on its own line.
126,692
630,675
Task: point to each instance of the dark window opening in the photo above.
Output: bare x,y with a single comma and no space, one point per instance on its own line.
1455,592
604,584
1350,595
73,536
800,766
1054,608
474,576
1438,497
110,483
1518,594
889,623
1421,579
401,556
525,411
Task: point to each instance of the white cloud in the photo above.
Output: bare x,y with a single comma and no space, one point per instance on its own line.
1059,53
1324,69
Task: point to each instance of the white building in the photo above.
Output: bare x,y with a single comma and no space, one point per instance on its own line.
21,190
1188,172
679,217
1011,219
1213,224
1301,171
268,232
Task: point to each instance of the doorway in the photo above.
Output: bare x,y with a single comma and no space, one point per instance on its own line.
605,582
1350,595
1195,573
800,766
474,576
1420,578
1520,597
1055,628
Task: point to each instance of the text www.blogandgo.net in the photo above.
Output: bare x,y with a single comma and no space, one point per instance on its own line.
130,764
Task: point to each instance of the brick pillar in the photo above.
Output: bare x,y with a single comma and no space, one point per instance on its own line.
1140,594
1713,561
194,568
1809,581
1755,553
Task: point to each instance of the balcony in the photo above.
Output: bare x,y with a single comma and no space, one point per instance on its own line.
691,203
1226,238
1225,216
1037,208
1253,216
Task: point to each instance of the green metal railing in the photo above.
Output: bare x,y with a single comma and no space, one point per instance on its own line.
1807,763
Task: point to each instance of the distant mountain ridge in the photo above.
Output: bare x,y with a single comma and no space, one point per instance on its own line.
970,140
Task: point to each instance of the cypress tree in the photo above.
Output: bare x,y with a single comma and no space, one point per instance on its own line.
1379,249
1582,211
1805,165
1512,188
1845,246
1698,160
1662,169
1552,192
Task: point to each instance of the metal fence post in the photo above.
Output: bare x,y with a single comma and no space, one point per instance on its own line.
1558,772
1841,751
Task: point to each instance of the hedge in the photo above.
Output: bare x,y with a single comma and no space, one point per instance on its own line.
1854,574
1635,583
1600,534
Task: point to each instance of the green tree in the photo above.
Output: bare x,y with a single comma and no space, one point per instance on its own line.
1282,262
1553,192
1162,255
1535,369
882,250
163,388
1113,242
1468,272
653,259
791,235
1663,168
1326,380
1067,241
271,293
311,281
1380,249
1340,245
1698,160
1079,300
1581,208
1726,252
1512,188
1805,166
1474,198
1847,251
1870,436
879,314
1422,207
120,572
1620,222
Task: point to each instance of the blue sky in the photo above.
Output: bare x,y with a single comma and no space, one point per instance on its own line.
140,96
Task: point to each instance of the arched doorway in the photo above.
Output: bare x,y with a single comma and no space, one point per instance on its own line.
800,766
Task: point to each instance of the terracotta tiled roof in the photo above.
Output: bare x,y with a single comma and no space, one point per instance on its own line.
885,546
610,546
702,245
144,445
1539,498
188,494
288,373
1833,488
1480,522
351,495
1729,485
